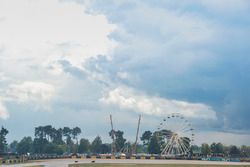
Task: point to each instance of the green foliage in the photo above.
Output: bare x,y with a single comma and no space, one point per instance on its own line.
205,149
146,136
25,145
52,148
57,136
217,148
13,146
105,148
67,133
213,148
75,132
119,140
245,151
96,145
84,146
3,142
154,146
50,140
39,145
195,149
234,151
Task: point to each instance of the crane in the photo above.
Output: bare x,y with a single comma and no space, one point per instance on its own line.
113,147
134,149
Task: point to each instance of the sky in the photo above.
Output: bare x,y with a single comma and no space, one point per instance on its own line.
75,62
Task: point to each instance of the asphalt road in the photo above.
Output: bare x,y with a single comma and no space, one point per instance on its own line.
66,162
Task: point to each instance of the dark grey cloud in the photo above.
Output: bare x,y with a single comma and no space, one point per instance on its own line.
180,51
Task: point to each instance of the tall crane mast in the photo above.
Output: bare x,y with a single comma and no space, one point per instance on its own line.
113,147
134,149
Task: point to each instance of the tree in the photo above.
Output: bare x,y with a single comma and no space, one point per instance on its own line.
234,151
13,146
226,150
105,148
141,149
205,149
96,145
25,145
3,142
48,132
195,150
57,136
75,132
146,136
154,145
119,140
39,145
39,132
67,132
219,148
213,148
245,151
84,146
41,138
52,148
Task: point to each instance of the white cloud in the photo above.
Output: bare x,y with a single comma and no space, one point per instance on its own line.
41,31
3,111
127,98
123,75
3,77
28,92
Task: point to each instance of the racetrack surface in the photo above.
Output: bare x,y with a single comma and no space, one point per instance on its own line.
66,162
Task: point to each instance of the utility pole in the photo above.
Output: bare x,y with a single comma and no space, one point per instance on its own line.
134,149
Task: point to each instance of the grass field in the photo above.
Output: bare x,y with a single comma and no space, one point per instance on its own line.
36,166
149,165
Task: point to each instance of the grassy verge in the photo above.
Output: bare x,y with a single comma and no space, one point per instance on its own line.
149,165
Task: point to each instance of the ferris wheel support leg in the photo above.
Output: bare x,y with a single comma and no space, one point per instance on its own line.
170,149
185,148
165,149
181,147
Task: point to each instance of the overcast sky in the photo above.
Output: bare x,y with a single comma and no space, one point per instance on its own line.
74,62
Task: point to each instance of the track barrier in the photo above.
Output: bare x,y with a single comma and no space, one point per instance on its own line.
122,157
93,157
13,161
103,157
23,159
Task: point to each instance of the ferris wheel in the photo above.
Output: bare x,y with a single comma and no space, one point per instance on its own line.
176,135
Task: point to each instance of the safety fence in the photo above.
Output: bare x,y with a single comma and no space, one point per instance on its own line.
24,159
93,157
13,161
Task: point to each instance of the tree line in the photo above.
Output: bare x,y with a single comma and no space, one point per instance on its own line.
218,149
49,140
